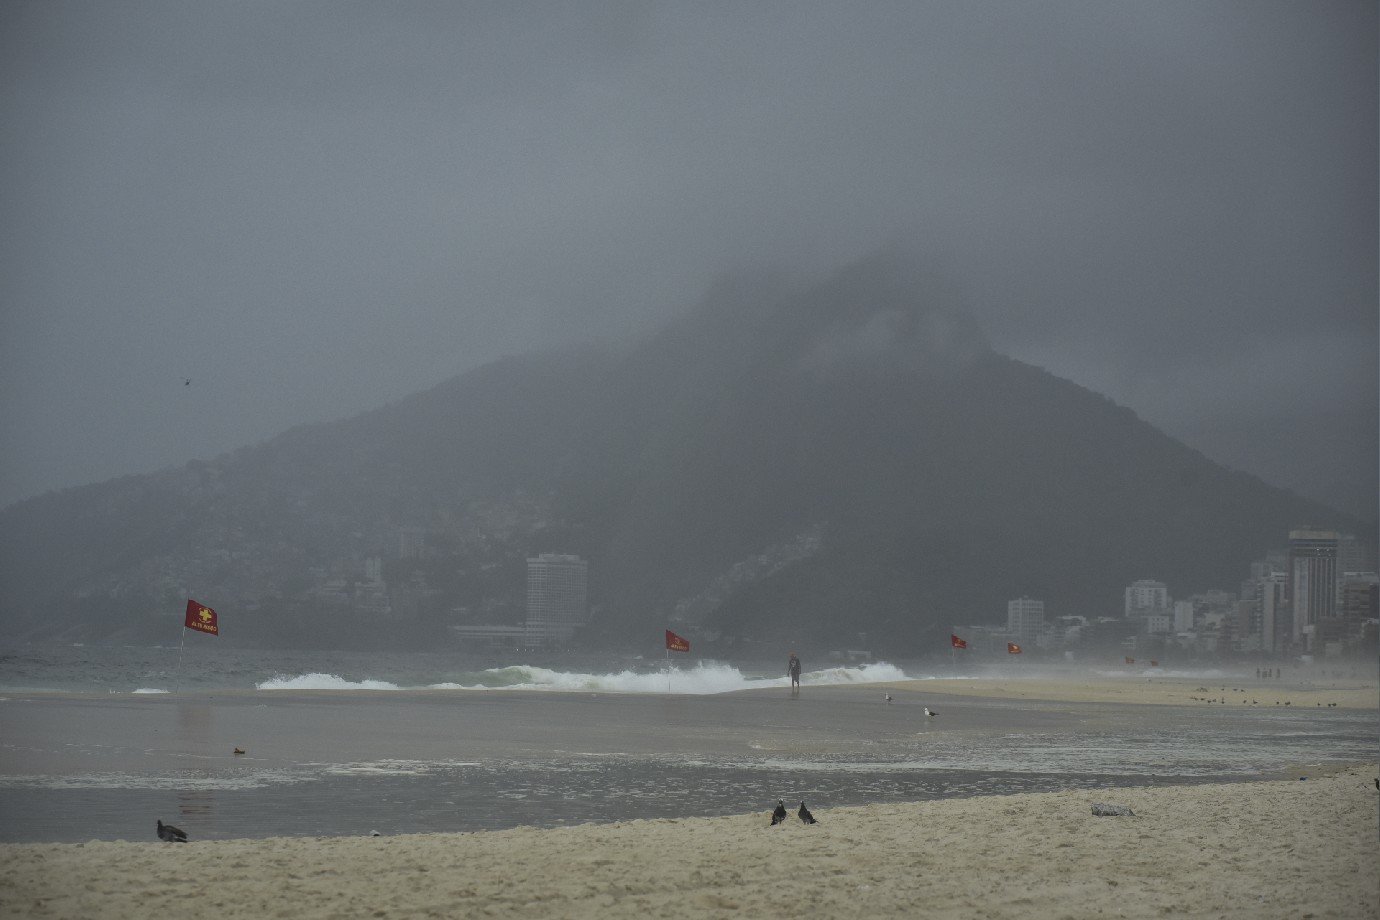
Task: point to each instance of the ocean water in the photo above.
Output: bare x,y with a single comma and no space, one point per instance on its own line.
206,667
94,743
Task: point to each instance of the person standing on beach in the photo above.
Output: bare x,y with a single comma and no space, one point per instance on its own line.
793,669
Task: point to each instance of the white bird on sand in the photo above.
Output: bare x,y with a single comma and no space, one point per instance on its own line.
930,712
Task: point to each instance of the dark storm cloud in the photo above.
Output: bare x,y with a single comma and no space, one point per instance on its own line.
311,209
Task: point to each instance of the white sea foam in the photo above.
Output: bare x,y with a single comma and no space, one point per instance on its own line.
704,678
180,781
149,690
318,681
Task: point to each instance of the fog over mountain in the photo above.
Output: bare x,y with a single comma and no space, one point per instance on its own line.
819,461
310,210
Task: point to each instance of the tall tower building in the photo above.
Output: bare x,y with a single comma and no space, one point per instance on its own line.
411,542
1354,555
1183,616
1272,604
1146,597
1312,579
1025,619
557,595
1360,601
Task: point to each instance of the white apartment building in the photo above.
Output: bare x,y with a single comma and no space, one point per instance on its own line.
1145,597
557,595
1025,619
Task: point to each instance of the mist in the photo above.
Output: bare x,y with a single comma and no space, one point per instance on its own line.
312,210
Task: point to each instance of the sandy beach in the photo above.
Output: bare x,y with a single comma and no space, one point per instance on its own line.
1277,849
1282,847
1310,690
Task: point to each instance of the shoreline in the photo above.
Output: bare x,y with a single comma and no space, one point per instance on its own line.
1338,693
1058,687
1258,849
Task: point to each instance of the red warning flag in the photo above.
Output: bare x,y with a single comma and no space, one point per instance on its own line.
675,643
201,618
956,642
1012,648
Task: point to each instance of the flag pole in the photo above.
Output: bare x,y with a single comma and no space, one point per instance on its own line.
177,678
668,669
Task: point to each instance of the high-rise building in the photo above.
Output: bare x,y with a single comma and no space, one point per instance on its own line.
1183,616
1312,579
411,542
1025,619
1360,601
1354,555
557,595
1272,610
1146,597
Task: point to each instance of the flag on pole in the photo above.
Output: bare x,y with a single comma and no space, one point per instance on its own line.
956,642
1012,648
1130,660
675,643
201,618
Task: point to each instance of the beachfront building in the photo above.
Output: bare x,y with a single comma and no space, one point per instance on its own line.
411,542
1355,555
557,596
1360,602
1312,581
1147,603
1146,596
1272,616
1025,620
1183,616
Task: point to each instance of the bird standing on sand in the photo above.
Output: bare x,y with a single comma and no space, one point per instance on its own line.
805,815
930,712
169,834
779,815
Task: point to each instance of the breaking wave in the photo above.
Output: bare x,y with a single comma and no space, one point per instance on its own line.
322,682
705,678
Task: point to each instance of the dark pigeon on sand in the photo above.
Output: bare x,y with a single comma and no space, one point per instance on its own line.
805,815
779,815
170,834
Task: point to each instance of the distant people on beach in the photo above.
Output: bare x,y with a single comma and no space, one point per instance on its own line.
793,669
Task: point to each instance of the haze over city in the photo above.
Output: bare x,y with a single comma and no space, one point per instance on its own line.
226,220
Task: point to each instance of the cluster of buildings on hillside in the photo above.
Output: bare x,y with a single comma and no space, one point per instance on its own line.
1319,597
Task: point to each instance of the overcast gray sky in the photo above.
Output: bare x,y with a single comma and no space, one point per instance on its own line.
311,209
